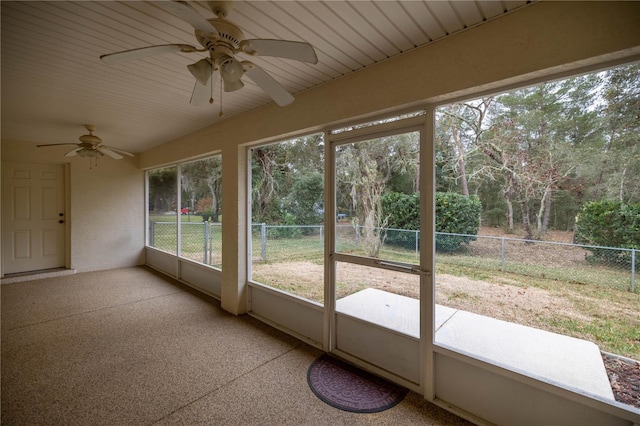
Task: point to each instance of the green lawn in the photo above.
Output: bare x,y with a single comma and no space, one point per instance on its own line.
164,237
590,289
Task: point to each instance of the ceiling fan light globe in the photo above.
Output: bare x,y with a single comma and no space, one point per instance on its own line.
91,153
232,86
201,71
232,69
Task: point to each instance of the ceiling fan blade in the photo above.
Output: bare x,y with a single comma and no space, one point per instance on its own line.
267,83
187,13
297,50
129,55
119,151
109,152
73,152
56,144
203,93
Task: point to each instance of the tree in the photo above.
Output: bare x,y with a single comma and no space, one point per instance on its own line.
363,171
202,185
266,177
569,140
280,172
305,200
619,152
162,189
459,131
530,146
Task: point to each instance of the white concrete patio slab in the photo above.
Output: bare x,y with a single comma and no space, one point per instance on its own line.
573,363
389,310
564,360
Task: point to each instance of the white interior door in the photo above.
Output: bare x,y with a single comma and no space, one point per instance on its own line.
33,216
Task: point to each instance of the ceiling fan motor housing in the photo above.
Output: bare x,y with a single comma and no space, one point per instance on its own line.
90,140
228,34
225,44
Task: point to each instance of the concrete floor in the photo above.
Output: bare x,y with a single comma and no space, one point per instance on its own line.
131,346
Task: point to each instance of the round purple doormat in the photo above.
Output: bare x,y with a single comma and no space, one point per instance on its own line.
348,388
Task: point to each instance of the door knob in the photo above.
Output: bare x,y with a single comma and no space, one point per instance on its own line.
61,221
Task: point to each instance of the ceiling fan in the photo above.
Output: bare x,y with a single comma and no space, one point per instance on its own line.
223,40
91,146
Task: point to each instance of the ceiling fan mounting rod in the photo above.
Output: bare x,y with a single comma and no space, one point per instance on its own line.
221,8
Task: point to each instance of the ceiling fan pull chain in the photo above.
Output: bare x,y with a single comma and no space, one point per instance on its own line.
211,79
221,114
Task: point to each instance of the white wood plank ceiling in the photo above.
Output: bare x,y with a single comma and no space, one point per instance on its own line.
53,81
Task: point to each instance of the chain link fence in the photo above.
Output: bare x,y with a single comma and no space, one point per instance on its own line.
200,241
576,263
581,264
286,243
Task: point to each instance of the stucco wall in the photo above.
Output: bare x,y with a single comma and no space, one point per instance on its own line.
106,214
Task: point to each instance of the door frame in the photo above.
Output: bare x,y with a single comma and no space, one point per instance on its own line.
424,125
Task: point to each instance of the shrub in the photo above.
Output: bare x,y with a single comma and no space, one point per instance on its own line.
609,224
289,230
456,214
206,215
403,211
